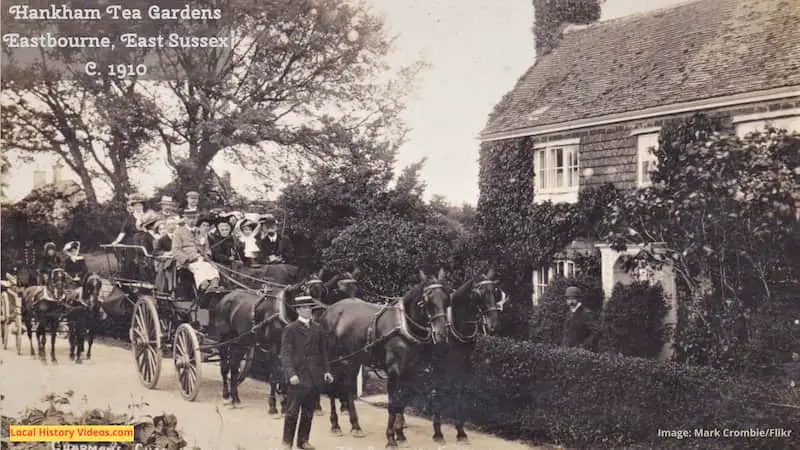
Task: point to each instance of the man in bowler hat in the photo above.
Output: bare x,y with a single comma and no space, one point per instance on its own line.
581,327
304,360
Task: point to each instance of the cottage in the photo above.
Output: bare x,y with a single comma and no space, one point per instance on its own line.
592,106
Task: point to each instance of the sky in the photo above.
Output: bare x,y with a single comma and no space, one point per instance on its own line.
476,51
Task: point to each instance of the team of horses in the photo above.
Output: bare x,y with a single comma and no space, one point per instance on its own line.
431,326
49,300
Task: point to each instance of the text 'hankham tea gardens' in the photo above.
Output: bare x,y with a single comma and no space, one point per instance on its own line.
64,13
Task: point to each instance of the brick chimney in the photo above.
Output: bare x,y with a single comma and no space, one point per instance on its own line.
57,167
551,17
39,178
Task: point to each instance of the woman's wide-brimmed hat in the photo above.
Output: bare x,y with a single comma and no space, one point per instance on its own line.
134,200
267,219
49,245
72,245
244,223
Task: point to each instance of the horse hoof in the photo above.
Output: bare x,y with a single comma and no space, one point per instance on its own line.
78,361
357,433
319,412
226,395
438,439
336,431
463,439
272,411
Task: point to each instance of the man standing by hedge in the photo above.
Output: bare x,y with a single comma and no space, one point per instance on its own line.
581,327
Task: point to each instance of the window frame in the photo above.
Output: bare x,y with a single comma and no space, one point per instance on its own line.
645,155
542,277
762,119
545,171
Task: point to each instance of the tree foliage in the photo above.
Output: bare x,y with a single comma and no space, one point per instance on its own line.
552,15
307,77
98,125
722,209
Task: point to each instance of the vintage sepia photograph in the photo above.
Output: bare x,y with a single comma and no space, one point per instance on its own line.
400,224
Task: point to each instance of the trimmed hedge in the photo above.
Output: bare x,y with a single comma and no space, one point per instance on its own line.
571,397
633,320
547,319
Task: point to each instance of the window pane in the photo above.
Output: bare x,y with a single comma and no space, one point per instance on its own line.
558,166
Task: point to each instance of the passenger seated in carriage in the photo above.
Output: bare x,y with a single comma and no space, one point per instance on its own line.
222,243
203,230
74,263
248,243
273,248
188,254
50,260
147,238
163,246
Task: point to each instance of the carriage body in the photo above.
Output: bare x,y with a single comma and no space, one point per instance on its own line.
167,314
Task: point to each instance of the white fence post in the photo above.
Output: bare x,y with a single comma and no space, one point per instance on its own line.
360,382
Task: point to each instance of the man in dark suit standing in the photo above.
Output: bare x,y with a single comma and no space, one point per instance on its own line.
273,248
581,327
304,361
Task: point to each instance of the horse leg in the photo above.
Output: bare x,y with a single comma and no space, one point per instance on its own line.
90,338
272,399
335,428
72,338
237,354
394,409
41,341
53,332
318,407
355,427
438,437
224,369
80,338
29,331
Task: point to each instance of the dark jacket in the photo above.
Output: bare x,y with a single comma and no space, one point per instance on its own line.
581,329
304,352
128,228
223,249
163,245
49,263
281,247
146,240
76,268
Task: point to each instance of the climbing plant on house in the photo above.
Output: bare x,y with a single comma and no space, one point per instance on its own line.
723,207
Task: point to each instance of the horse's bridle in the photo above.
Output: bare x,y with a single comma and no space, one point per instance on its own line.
482,314
426,295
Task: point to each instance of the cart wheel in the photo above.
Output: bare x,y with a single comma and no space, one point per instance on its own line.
246,364
145,334
188,359
5,316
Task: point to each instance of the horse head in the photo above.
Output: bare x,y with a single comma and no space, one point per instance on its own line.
346,283
57,284
427,305
90,293
314,287
489,300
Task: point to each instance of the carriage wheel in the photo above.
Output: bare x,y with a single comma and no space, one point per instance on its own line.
188,359
145,334
5,313
246,364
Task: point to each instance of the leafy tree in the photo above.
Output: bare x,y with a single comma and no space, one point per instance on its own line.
302,76
721,213
97,125
390,251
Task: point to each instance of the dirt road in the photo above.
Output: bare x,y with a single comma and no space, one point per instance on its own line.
110,380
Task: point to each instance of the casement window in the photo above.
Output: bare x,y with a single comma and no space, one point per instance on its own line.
542,277
645,158
557,171
788,119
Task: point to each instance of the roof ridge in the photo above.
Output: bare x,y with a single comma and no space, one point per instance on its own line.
642,14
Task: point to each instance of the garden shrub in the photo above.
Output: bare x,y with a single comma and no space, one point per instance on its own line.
633,320
151,432
547,319
523,390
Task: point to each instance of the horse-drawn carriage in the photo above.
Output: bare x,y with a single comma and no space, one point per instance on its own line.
170,314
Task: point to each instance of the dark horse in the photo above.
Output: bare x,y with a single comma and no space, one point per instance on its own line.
338,286
389,337
246,319
475,310
45,304
84,315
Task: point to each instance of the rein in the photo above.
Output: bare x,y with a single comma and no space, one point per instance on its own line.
480,315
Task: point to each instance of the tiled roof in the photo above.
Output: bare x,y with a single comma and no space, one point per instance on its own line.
697,50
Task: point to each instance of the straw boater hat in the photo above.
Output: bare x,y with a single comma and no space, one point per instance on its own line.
166,200
49,245
149,219
192,194
306,301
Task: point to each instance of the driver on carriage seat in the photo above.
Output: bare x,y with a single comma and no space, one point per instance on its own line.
50,261
186,251
273,248
74,264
